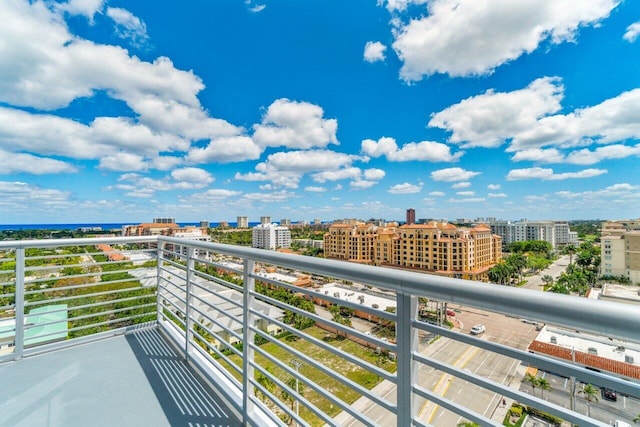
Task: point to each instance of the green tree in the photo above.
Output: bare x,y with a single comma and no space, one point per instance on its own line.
544,384
500,273
266,383
590,394
467,424
517,263
533,380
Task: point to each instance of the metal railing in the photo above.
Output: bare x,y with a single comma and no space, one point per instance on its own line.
281,353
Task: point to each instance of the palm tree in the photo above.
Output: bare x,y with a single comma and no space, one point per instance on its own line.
636,419
544,384
533,380
547,280
590,394
570,249
266,383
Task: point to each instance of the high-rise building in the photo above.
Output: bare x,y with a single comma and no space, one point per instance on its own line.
411,216
204,224
242,222
555,232
265,220
620,249
164,220
436,247
270,236
285,222
317,221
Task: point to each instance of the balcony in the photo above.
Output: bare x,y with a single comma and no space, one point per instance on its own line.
165,331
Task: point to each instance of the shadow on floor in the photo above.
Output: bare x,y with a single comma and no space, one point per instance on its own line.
186,401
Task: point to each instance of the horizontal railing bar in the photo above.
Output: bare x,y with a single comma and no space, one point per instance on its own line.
337,301
215,334
87,241
322,368
597,316
219,353
74,297
179,298
327,395
313,408
545,363
517,395
108,322
223,371
217,280
323,345
454,407
169,319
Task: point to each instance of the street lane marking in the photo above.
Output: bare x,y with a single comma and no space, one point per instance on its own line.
444,382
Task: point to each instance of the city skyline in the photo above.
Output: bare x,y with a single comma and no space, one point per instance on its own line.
114,112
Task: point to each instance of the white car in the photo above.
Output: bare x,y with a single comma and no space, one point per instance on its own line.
477,329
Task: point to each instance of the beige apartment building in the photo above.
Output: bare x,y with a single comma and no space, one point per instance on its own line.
437,247
620,249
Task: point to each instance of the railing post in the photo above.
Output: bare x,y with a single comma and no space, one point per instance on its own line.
248,338
18,350
159,259
189,301
407,342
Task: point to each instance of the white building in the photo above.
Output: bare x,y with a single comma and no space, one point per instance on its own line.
243,222
191,233
555,232
270,236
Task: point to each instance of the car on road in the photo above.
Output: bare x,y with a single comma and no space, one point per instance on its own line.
609,394
478,329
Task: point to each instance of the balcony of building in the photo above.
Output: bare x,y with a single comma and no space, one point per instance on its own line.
124,331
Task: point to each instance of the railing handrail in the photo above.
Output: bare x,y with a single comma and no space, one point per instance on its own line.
596,316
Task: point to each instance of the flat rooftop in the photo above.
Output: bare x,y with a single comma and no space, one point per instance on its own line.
130,380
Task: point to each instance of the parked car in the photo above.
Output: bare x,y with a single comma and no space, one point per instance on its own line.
609,394
450,312
477,329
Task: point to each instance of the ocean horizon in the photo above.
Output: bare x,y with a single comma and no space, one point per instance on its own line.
104,226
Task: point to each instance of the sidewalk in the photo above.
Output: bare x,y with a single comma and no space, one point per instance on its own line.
363,403
501,410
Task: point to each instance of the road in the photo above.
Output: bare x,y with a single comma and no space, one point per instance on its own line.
625,408
554,270
501,329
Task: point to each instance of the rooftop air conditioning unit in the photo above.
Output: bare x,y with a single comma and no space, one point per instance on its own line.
554,340
628,359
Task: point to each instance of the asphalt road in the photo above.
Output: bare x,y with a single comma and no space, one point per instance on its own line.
501,329
625,408
554,270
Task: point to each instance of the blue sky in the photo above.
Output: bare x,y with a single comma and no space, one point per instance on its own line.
115,111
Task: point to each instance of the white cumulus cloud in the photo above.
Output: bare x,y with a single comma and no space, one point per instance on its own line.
11,163
295,125
547,174
453,175
374,51
632,32
405,188
128,26
473,37
414,151
487,120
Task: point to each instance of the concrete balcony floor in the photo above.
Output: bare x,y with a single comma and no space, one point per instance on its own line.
131,380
